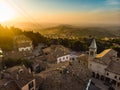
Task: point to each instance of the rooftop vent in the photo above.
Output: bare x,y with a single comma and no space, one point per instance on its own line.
20,70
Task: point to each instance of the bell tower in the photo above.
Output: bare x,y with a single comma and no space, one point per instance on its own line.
93,49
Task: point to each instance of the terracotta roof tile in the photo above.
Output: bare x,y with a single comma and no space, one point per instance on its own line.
114,67
20,75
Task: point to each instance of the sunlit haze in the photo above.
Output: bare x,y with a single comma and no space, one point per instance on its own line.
60,11
6,12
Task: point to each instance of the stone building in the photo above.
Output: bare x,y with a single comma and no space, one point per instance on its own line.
18,55
17,78
59,53
66,57
112,73
39,64
105,65
69,75
22,43
55,51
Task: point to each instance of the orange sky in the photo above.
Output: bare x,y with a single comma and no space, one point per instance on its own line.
102,12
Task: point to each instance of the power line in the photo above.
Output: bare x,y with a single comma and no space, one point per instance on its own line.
24,13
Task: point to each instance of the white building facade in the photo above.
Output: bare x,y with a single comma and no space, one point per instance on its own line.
27,48
66,58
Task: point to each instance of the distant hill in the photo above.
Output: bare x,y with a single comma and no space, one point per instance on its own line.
75,31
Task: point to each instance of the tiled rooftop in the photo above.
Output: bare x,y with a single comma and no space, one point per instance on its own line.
114,67
103,53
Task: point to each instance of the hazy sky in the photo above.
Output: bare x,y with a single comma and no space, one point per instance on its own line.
64,11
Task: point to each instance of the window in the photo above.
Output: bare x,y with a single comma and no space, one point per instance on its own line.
91,53
115,77
20,71
83,63
31,85
73,59
107,74
118,84
90,64
66,57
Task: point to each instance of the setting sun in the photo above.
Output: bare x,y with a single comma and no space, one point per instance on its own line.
6,12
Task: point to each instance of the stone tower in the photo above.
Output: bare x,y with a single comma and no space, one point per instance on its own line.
93,49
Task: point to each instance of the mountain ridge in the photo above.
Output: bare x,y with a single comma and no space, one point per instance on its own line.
76,31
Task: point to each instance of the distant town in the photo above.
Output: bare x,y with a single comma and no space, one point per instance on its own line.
59,44
30,61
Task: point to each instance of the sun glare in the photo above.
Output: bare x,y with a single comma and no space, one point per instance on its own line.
6,12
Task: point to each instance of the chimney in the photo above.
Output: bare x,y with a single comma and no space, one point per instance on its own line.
33,73
1,75
23,65
29,70
17,76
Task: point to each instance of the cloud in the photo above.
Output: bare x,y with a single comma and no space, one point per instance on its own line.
112,2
